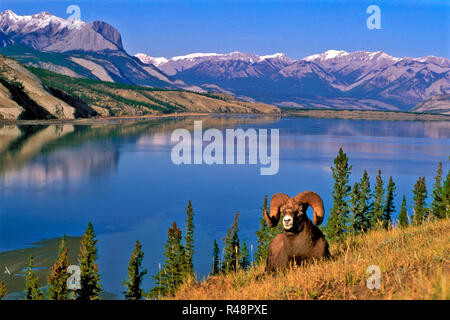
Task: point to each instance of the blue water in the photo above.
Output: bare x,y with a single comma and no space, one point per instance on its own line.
128,187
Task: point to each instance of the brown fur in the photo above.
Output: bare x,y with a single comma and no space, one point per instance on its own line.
303,240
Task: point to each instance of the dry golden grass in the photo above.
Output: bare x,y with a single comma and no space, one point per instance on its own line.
414,264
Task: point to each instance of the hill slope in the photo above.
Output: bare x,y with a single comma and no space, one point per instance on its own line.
23,95
436,104
414,264
34,93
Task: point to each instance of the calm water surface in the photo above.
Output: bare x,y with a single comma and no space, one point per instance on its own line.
56,178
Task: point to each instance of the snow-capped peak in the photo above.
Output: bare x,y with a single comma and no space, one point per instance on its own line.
198,56
381,55
151,60
11,17
30,23
273,56
329,54
195,56
378,56
8,13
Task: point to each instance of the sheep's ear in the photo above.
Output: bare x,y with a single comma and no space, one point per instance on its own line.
277,201
312,199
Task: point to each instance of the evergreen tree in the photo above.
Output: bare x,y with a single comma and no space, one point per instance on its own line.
135,274
420,194
57,280
231,249
89,275
378,202
389,207
275,231
356,218
244,261
438,206
189,239
263,235
403,216
215,270
446,195
32,291
364,202
3,290
173,272
337,222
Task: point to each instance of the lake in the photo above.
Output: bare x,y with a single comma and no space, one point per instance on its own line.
119,175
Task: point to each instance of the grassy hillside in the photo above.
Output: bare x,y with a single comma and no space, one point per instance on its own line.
116,99
58,62
414,264
34,93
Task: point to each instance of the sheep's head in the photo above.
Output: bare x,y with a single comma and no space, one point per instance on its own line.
293,210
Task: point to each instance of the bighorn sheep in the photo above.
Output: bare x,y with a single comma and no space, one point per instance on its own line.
301,238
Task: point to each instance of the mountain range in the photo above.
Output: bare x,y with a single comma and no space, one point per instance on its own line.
332,79
28,93
77,49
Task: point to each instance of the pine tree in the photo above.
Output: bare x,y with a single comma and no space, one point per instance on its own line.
356,218
231,249
3,290
378,202
135,274
438,206
446,195
420,194
89,276
215,270
275,231
244,261
364,202
389,207
189,239
263,235
32,291
337,222
173,272
57,280
403,216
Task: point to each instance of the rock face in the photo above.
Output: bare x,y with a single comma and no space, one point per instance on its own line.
76,48
46,32
318,80
436,104
24,96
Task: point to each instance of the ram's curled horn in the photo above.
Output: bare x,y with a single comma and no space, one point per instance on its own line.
276,202
313,200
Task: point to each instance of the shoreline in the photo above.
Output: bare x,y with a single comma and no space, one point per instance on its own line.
101,119
366,115
307,113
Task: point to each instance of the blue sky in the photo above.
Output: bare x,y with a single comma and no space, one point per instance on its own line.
298,28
